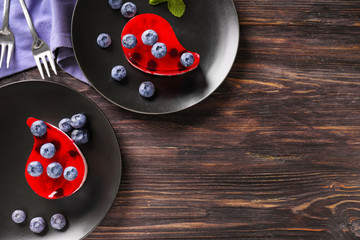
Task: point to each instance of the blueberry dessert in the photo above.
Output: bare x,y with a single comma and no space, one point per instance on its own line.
78,120
149,37
187,59
18,216
70,173
58,221
35,169
129,41
65,125
115,4
45,175
118,73
128,10
37,224
54,170
38,128
47,150
147,89
159,50
104,40
80,136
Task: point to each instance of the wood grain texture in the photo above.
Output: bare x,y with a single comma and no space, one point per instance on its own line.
274,153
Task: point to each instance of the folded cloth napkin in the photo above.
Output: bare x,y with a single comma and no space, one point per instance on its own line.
52,21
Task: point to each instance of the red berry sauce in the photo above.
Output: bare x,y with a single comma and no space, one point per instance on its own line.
140,56
67,154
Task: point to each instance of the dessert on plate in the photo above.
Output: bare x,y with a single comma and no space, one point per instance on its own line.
56,167
150,45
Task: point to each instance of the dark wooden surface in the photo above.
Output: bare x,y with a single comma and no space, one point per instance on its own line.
274,153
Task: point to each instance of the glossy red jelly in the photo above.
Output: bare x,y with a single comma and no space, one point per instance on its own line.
67,154
140,56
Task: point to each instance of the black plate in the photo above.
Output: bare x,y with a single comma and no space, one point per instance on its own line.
210,28
86,208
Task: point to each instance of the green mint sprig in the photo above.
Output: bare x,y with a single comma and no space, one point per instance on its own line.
176,7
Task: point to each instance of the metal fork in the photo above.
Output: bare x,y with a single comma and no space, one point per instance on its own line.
40,49
6,36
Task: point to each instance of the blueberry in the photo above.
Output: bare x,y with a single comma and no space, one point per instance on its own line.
115,4
35,169
159,50
18,216
47,150
149,37
104,40
78,120
65,125
187,59
118,73
38,128
128,9
80,136
37,224
129,41
58,221
54,170
70,173
147,89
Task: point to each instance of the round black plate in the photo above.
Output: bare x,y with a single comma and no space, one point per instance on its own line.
86,208
210,28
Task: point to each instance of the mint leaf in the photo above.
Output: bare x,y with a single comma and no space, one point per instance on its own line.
176,7
156,2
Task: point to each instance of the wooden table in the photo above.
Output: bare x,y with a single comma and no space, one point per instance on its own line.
274,153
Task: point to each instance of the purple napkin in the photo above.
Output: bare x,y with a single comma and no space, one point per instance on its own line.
52,21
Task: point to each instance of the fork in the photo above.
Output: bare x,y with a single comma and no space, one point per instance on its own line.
39,48
6,36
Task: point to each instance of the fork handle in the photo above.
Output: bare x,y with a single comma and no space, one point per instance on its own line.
29,21
6,14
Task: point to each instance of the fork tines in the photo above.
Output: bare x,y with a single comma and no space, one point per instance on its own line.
43,56
10,48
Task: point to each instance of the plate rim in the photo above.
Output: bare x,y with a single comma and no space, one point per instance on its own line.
166,112
107,210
